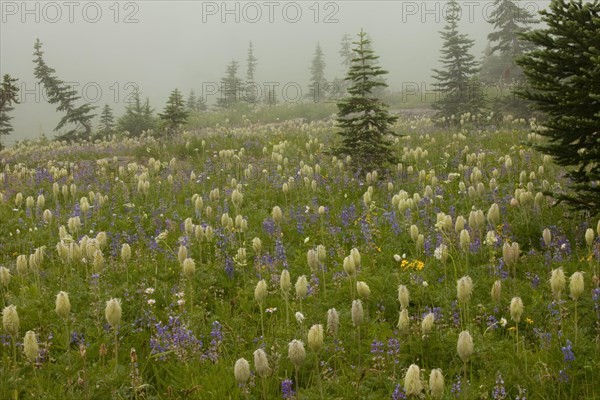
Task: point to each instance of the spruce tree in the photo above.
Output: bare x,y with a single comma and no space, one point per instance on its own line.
107,122
230,87
175,113
251,93
563,74
346,55
138,118
191,102
8,97
270,97
363,119
316,88
509,21
65,96
460,92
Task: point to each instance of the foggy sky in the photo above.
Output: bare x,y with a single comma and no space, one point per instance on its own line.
160,45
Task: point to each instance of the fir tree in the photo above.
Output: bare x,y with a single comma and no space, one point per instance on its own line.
346,55
509,21
270,97
363,119
191,102
316,88
230,87
563,74
107,122
175,114
8,97
251,93
138,118
65,96
460,91
195,103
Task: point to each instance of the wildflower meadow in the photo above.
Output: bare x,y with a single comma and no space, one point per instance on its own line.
247,262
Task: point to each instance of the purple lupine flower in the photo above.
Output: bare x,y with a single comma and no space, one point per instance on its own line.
287,391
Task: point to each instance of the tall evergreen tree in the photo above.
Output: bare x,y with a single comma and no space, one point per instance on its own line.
346,51
563,74
65,96
270,97
461,93
175,114
138,117
316,88
363,119
107,122
8,96
346,55
510,21
191,101
230,87
250,92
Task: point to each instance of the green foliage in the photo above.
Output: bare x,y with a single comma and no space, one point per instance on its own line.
251,94
8,95
317,86
363,119
107,122
510,21
175,113
460,92
179,337
563,74
138,118
195,103
231,87
65,96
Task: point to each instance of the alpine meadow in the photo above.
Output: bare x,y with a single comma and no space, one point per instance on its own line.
330,231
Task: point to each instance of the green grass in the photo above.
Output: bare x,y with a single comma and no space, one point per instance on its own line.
169,343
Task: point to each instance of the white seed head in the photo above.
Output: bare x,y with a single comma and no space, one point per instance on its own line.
30,346
241,371
261,363
260,292
363,289
516,309
301,287
315,337
63,305
357,313
464,289
285,281
436,383
427,323
412,381
576,285
333,320
296,352
10,320
464,346
113,312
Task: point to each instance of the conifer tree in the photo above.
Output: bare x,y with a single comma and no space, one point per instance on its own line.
175,114
346,55
230,87
316,88
107,122
251,93
8,97
65,96
461,93
138,117
270,97
363,119
509,21
563,74
191,102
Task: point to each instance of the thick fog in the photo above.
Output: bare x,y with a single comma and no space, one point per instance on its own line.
105,48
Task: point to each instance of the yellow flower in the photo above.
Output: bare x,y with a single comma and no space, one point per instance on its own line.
529,320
